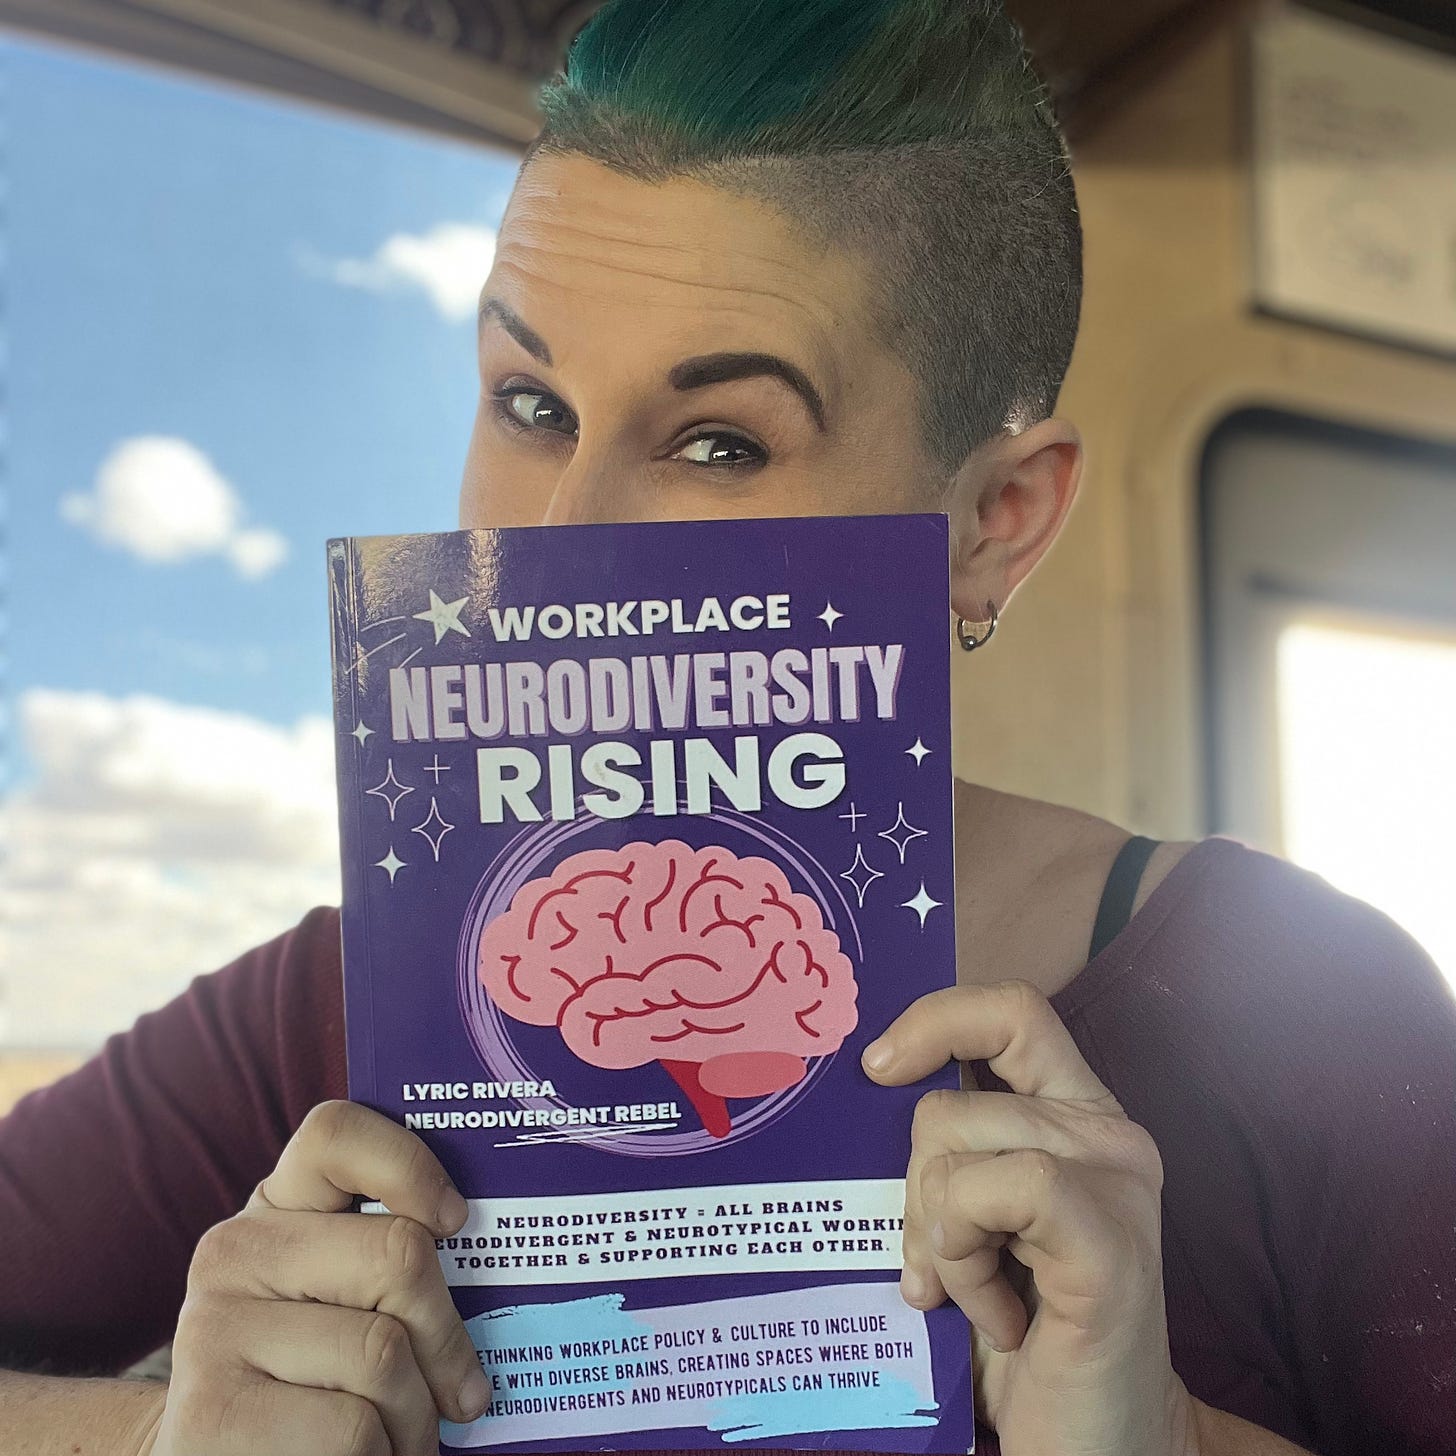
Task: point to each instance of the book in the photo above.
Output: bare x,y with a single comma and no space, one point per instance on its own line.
646,833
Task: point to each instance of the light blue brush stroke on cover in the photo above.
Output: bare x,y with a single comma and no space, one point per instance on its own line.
599,1318
891,1405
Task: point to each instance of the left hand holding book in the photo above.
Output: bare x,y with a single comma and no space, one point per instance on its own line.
303,1331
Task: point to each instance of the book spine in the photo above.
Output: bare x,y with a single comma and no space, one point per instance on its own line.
349,744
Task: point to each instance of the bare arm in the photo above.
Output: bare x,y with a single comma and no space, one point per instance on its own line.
1216,1433
307,1330
53,1415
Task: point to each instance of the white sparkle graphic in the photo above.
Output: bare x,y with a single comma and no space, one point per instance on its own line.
423,828
829,616
854,816
918,751
437,768
922,904
382,789
444,616
866,877
362,731
902,840
361,658
392,863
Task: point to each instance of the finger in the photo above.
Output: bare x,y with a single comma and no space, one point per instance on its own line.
365,1352
365,1262
273,1416
344,1148
974,1280
985,1296
1043,1202
1009,1025
932,1133
996,1122
920,1285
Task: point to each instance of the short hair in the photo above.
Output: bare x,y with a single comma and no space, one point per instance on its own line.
914,133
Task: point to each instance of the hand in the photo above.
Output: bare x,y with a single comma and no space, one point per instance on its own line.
1054,1175
304,1333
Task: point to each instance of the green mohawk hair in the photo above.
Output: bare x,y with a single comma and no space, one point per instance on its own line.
915,133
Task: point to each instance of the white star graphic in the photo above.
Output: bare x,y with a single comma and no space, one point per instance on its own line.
392,863
383,787
917,751
444,616
361,731
423,827
868,874
922,904
829,616
902,841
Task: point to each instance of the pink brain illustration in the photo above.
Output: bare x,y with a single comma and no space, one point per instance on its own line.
696,958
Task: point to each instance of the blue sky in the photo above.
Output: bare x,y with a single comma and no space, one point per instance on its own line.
163,241
233,327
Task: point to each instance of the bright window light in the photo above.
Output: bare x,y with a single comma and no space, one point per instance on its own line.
1367,749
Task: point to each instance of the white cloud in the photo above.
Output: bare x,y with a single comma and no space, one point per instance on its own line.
163,500
155,841
257,551
448,264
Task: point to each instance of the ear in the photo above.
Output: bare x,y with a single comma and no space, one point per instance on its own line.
1007,504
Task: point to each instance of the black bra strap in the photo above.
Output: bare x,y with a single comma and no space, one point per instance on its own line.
1120,891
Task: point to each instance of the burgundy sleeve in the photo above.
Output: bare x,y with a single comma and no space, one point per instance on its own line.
1362,1151
110,1176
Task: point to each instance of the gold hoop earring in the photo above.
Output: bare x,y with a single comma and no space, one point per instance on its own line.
965,637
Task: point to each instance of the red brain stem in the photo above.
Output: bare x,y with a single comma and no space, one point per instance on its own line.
706,962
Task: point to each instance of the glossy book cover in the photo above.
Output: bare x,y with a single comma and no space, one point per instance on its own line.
647,833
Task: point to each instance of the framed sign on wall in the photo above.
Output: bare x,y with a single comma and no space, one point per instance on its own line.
1354,178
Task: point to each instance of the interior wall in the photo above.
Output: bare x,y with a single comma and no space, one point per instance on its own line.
1090,695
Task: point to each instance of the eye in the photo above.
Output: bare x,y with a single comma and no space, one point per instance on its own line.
723,450
521,407
524,409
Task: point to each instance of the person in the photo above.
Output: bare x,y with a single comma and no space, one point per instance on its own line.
795,257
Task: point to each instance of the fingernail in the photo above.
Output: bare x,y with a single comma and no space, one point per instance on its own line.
452,1210
877,1056
912,1287
474,1394
937,1237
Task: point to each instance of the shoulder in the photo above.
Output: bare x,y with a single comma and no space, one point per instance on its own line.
1286,994
1316,1062
1273,925
300,964
279,1008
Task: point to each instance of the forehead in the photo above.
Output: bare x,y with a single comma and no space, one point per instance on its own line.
675,262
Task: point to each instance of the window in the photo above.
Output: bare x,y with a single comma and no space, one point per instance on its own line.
1367,768
1331,612
234,327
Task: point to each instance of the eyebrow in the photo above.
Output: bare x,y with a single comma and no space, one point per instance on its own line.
517,328
718,368
694,373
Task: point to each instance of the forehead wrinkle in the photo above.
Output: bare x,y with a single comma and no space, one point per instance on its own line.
657,275
824,362
548,210
552,235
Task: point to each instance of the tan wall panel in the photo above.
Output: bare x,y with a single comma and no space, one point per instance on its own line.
1090,695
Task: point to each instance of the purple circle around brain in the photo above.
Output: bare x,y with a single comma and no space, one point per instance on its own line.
519,862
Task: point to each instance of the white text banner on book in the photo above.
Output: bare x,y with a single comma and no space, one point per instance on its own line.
762,1228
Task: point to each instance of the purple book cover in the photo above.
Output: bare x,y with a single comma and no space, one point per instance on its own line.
647,833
